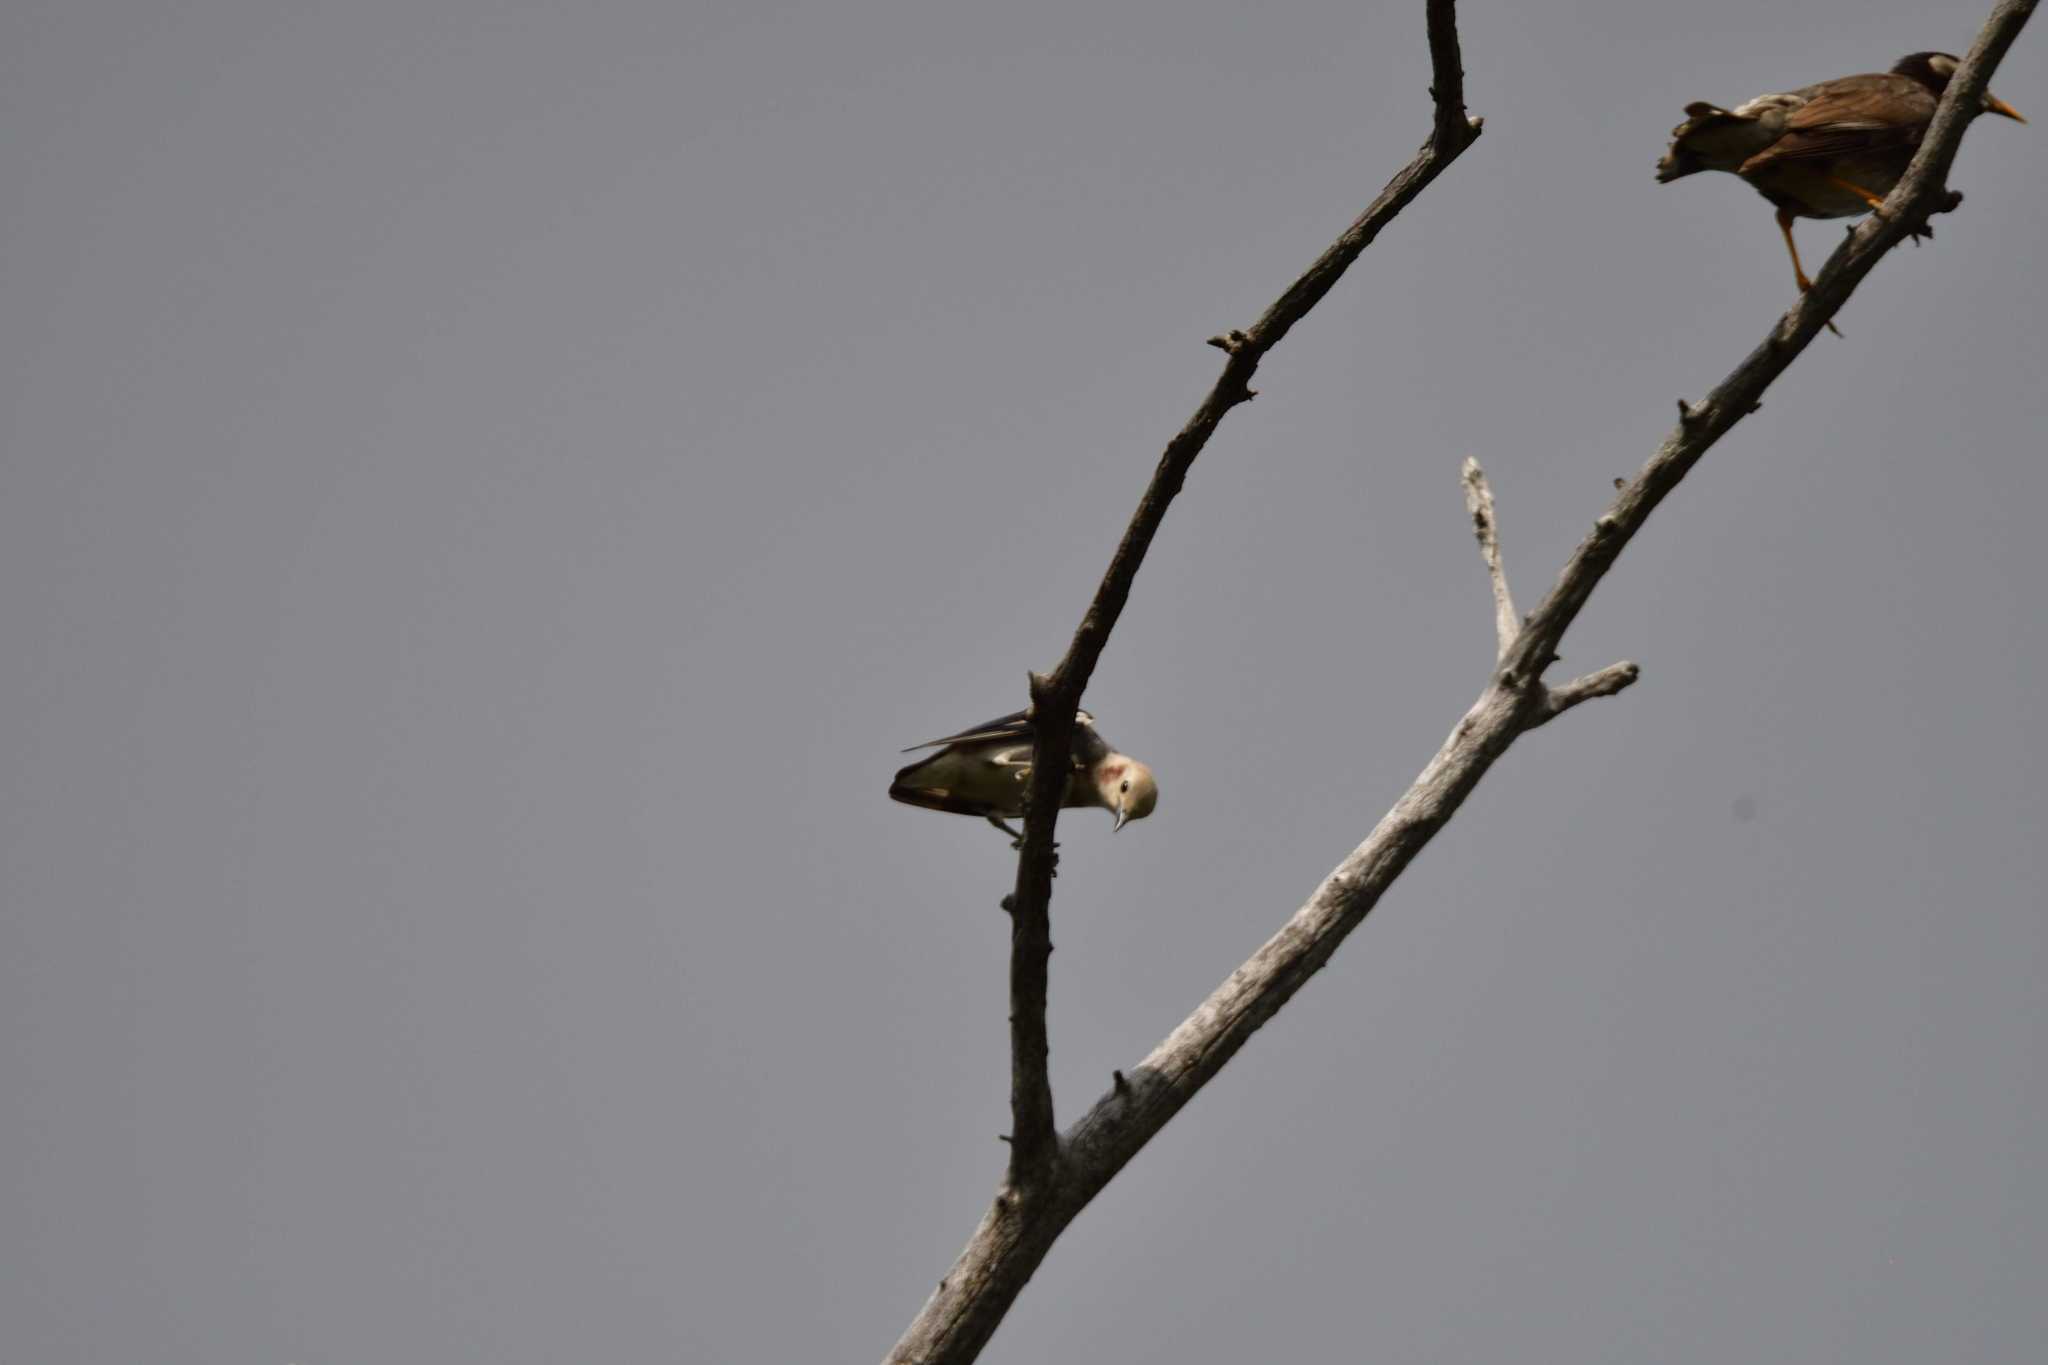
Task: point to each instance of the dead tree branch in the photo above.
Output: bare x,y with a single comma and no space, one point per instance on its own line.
1506,625
1054,696
1604,683
1052,1178
1479,502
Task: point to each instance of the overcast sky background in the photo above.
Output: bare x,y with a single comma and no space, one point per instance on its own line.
489,487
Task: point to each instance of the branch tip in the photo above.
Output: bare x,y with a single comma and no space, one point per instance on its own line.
1604,683
1486,530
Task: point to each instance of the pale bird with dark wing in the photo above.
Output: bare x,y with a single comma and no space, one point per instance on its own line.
1829,150
985,771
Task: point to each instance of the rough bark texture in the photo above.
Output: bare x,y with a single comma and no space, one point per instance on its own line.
1053,1176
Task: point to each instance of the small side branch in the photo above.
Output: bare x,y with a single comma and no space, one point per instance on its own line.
1479,502
1507,625
1605,683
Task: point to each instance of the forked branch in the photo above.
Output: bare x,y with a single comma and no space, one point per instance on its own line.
1507,626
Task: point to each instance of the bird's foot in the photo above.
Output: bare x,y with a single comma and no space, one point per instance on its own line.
1875,201
1017,840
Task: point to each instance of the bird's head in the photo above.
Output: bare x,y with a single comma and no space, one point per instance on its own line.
1933,70
1126,787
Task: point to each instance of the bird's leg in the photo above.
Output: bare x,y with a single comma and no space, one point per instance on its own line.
1017,843
1876,201
1798,271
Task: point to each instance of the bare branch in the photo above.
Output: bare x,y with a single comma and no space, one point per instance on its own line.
1054,697
1479,502
1028,1215
1023,1221
1604,683
1447,77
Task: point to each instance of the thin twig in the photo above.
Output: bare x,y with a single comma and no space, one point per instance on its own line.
1605,683
1055,696
1022,1223
1479,502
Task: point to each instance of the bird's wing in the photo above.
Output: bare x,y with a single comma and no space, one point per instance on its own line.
1854,114
916,786
981,778
1712,139
1717,139
1016,726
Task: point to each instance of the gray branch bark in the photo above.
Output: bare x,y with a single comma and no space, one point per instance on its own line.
1486,529
1053,1177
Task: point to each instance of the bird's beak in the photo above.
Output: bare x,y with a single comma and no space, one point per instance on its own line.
1120,818
1995,105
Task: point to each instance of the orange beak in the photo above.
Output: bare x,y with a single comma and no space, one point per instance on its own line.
1995,105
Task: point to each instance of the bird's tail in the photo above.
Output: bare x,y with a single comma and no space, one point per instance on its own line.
1697,143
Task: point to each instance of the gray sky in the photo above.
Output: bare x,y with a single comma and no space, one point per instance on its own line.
488,487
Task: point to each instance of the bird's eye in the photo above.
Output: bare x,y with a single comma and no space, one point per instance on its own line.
1126,786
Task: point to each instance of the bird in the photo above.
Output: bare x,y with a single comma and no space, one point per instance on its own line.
984,770
1829,150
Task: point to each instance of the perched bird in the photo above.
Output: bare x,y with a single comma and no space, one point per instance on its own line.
984,771
1822,151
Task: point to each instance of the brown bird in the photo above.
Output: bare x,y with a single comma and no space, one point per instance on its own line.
1822,151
